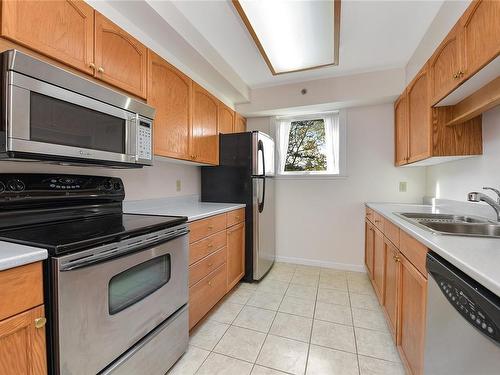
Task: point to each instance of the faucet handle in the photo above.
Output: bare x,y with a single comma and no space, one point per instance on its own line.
495,190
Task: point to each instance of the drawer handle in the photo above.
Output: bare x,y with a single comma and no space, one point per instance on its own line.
101,69
237,217
210,227
40,322
210,245
396,258
210,264
92,65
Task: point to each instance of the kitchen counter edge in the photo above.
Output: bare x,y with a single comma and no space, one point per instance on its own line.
14,255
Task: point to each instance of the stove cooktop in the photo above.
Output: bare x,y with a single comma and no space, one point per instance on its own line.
62,237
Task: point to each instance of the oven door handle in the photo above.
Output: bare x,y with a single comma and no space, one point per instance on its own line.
119,251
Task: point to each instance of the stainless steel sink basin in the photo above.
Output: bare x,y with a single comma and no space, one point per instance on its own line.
458,225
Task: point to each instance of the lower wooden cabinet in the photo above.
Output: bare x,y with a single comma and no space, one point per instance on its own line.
235,254
369,242
392,272
216,260
412,310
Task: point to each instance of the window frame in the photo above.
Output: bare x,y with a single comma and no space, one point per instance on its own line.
313,175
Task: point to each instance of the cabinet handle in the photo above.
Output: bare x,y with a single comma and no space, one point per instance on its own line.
92,65
455,75
101,69
40,322
237,217
461,73
397,259
210,264
210,227
210,245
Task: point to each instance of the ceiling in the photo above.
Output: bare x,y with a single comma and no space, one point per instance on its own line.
374,35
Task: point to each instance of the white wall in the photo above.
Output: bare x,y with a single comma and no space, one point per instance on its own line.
455,179
321,221
149,182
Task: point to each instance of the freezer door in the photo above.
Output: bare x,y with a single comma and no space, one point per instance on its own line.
263,154
264,247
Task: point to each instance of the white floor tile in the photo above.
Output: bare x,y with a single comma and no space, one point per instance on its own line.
261,370
301,291
263,300
336,297
190,362
332,335
283,354
333,313
360,286
255,318
370,319
217,364
225,312
374,366
240,296
364,301
376,344
305,279
241,343
297,306
324,361
292,327
333,282
272,286
208,334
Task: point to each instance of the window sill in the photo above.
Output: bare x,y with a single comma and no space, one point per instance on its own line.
311,177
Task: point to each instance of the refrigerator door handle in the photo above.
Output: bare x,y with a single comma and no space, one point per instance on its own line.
261,204
260,150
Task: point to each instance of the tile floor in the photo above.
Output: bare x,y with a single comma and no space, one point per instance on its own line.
297,320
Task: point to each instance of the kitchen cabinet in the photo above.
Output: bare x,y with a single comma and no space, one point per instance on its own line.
379,265
170,91
412,310
445,66
240,124
369,243
22,321
401,135
63,30
226,119
391,283
481,35
235,254
120,59
204,129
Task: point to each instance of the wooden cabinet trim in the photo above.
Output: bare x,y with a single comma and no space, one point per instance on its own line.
414,251
391,232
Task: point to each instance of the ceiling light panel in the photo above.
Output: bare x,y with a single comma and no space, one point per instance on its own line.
293,35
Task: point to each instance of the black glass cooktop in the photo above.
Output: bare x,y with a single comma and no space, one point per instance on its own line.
71,235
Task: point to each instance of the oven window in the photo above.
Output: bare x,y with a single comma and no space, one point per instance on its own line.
138,282
59,122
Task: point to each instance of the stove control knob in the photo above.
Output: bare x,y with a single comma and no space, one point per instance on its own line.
117,186
2,187
108,185
15,185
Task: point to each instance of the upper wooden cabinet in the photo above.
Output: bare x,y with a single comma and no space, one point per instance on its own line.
445,66
481,35
63,30
169,91
401,130
226,119
240,124
204,130
419,116
120,59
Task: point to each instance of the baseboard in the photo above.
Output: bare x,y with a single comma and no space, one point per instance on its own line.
322,263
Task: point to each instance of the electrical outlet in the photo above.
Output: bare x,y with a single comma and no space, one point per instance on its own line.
178,185
403,185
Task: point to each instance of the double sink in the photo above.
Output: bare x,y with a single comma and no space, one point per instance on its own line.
458,225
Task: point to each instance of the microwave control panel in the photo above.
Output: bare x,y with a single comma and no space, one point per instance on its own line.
144,141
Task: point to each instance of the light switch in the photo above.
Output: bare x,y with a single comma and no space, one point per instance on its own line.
178,185
402,186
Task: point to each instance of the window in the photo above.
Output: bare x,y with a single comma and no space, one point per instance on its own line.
311,145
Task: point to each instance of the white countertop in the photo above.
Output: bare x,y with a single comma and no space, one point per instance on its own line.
477,257
189,206
14,255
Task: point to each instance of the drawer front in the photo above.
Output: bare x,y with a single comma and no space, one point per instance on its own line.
235,217
391,231
369,214
207,265
203,228
206,246
414,251
21,289
378,220
205,294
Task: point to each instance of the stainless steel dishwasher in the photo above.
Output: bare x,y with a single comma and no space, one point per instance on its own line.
463,323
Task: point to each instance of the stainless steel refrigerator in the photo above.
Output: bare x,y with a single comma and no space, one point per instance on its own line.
246,175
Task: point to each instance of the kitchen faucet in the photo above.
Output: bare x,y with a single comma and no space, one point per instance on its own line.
480,197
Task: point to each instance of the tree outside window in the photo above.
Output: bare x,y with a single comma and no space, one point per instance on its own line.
306,146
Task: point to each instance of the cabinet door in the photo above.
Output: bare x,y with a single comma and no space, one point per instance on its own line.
412,307
419,117
62,30
445,65
369,243
481,33
392,270
401,130
204,132
22,344
169,91
226,119
235,254
120,59
241,124
379,265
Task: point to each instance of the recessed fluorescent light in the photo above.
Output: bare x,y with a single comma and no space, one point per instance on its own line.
293,35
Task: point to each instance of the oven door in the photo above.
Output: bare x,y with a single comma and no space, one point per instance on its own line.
54,123
104,308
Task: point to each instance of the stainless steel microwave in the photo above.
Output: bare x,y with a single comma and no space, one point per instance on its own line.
49,114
